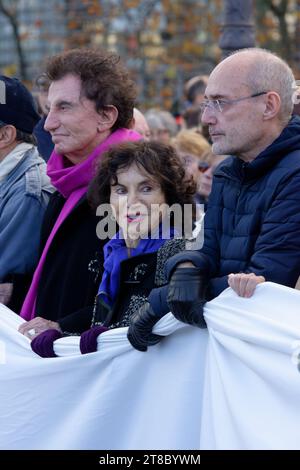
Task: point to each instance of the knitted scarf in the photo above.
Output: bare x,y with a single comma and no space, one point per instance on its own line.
115,251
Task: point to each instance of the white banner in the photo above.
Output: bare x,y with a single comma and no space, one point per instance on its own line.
235,386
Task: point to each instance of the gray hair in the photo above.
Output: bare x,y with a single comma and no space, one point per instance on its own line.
158,119
270,73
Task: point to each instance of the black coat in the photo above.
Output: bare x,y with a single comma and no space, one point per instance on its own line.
142,279
73,265
139,276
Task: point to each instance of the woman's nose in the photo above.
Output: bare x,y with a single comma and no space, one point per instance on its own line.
132,198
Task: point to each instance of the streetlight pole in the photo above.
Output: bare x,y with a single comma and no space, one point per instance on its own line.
297,39
237,30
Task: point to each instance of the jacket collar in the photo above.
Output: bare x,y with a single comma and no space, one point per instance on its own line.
30,159
12,159
287,142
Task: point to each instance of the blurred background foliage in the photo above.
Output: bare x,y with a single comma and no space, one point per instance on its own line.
163,42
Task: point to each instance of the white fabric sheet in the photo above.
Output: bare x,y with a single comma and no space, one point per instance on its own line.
235,386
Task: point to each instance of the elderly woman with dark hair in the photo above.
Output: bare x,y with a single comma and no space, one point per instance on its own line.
140,181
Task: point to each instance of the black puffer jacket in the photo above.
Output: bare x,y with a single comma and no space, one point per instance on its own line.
252,223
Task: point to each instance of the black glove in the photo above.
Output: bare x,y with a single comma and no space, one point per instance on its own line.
140,328
186,296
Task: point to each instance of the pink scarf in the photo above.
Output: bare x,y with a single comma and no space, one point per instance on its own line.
72,182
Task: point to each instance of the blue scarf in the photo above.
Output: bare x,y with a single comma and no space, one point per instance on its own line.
115,251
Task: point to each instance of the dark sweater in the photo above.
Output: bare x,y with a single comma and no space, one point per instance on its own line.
73,265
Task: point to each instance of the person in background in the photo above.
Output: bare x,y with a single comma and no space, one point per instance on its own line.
200,162
25,190
206,181
194,91
140,125
44,141
196,155
162,125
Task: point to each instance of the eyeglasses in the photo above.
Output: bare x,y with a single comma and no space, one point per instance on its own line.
189,159
220,105
203,166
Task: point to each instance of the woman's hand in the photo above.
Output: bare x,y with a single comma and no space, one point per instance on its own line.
244,284
38,325
140,328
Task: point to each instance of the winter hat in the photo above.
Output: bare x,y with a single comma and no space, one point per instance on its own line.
17,106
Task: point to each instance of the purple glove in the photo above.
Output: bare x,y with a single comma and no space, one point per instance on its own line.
88,339
43,343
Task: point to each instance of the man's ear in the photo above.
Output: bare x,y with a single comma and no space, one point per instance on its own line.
108,116
8,135
272,105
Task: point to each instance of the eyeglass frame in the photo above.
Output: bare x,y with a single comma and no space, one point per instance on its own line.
188,158
217,104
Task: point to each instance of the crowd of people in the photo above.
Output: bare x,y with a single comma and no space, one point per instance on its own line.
236,160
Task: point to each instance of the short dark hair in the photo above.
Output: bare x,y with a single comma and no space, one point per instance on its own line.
104,79
159,160
195,86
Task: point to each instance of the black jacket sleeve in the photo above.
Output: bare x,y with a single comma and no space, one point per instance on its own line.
77,322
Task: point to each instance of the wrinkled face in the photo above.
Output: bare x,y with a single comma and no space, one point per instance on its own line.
141,125
190,162
160,135
239,127
135,202
43,102
194,167
72,120
207,177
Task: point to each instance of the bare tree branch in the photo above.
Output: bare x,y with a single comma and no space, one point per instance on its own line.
280,11
11,16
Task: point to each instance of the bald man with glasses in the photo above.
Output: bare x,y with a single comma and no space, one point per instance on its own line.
252,223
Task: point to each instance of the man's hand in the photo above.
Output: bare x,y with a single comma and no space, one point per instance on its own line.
34,327
186,295
186,264
6,290
244,284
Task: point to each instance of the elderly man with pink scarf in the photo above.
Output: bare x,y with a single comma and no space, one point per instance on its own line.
91,99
